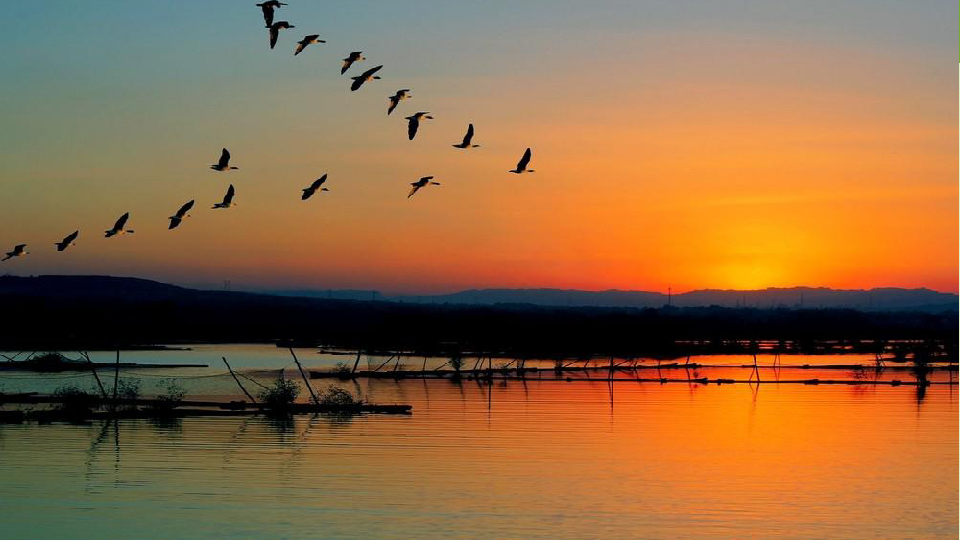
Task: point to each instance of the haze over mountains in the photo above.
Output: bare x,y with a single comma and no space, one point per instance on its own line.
881,299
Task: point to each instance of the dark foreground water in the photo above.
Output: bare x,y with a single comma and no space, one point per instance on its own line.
537,459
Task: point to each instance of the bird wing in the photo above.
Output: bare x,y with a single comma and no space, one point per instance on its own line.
469,136
121,222
267,13
300,46
357,83
412,126
522,164
229,196
416,186
184,209
274,34
224,159
318,182
346,65
71,237
174,223
371,71
394,101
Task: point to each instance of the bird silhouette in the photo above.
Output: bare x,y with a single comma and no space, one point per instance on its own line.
67,241
180,215
466,139
421,183
302,44
118,227
224,164
413,123
367,75
227,199
355,56
312,188
267,8
397,98
18,250
275,31
522,164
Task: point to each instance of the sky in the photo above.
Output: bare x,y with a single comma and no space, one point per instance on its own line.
677,143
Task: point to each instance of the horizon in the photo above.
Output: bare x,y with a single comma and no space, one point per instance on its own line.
712,163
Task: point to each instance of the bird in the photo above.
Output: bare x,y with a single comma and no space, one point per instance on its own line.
224,164
268,8
118,227
180,215
367,75
18,250
413,123
275,31
522,164
312,188
466,139
420,183
397,98
67,241
227,199
355,56
302,44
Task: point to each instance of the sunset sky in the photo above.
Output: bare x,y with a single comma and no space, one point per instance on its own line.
683,144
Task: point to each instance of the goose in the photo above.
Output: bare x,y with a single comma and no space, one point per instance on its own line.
18,250
275,31
118,227
180,215
397,98
312,188
302,44
522,164
355,56
67,241
466,139
420,183
267,8
224,164
414,123
227,199
367,75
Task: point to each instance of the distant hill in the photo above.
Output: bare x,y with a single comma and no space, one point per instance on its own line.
68,312
886,299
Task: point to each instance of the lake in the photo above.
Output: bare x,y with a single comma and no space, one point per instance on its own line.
537,458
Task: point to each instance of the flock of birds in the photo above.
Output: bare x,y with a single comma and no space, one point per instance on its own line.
223,164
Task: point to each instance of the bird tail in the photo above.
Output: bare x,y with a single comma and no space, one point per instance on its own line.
5,258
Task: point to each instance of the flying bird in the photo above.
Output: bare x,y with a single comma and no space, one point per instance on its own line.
275,31
118,227
18,250
397,98
312,188
227,199
413,123
522,164
67,241
224,164
180,215
268,8
367,75
302,44
355,56
466,139
420,183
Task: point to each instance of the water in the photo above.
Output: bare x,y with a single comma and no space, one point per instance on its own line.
544,458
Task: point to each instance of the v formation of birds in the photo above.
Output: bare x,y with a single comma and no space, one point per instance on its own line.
223,164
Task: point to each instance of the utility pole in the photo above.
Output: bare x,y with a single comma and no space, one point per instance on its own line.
669,296
226,284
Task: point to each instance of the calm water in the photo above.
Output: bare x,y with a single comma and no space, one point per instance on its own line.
542,459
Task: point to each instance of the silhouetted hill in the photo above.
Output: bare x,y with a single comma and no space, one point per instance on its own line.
885,299
70,312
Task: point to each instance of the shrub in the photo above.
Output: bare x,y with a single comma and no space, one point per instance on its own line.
171,398
74,398
281,396
338,396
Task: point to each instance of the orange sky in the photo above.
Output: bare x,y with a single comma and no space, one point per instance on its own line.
685,155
